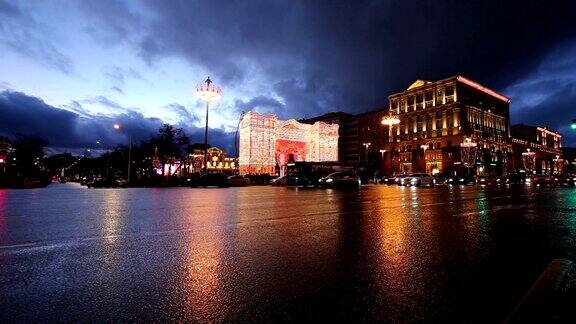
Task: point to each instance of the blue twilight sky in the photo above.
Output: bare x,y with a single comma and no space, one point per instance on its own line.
69,69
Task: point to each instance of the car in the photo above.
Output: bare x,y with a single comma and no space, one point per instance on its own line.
238,181
461,180
543,180
280,181
388,180
399,179
488,180
442,178
106,183
340,180
216,179
419,179
565,180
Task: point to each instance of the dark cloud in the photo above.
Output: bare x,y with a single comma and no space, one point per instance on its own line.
8,9
260,103
76,128
185,116
546,96
345,55
111,21
555,112
117,89
107,102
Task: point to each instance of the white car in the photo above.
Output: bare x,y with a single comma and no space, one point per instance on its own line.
420,179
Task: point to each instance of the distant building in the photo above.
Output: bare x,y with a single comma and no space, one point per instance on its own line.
546,145
569,156
435,119
218,161
268,144
347,134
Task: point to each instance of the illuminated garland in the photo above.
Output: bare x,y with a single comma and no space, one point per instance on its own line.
266,142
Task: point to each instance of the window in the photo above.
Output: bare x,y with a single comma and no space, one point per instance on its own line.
439,120
428,95
449,90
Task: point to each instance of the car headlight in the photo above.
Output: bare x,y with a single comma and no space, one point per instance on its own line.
413,180
482,180
329,180
461,180
528,180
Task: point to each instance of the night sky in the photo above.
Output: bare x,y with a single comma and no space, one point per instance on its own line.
70,69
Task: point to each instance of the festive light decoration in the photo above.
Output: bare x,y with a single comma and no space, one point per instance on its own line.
208,92
468,151
529,160
267,142
390,120
558,163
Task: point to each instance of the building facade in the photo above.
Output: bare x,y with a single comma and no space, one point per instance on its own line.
536,149
436,118
268,144
347,134
218,161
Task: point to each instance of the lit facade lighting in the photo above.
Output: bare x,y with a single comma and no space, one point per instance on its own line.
483,89
267,142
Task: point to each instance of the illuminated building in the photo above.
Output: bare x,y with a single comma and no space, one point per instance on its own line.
435,118
267,144
347,134
218,161
546,145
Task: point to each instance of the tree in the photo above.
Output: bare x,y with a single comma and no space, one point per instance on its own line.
171,144
24,163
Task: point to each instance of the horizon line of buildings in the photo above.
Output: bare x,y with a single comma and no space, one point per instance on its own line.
435,119
438,127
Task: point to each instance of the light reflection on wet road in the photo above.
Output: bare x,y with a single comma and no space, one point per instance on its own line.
269,254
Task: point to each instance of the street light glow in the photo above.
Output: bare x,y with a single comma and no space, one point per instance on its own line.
390,120
116,126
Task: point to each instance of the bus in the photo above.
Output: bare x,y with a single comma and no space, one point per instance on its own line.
308,174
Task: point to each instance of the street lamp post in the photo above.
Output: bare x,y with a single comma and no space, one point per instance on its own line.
367,145
237,144
382,152
424,147
390,121
207,92
468,151
117,127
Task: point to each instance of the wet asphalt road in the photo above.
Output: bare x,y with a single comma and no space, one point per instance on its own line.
464,254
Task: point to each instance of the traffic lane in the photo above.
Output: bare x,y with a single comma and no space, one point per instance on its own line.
381,262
